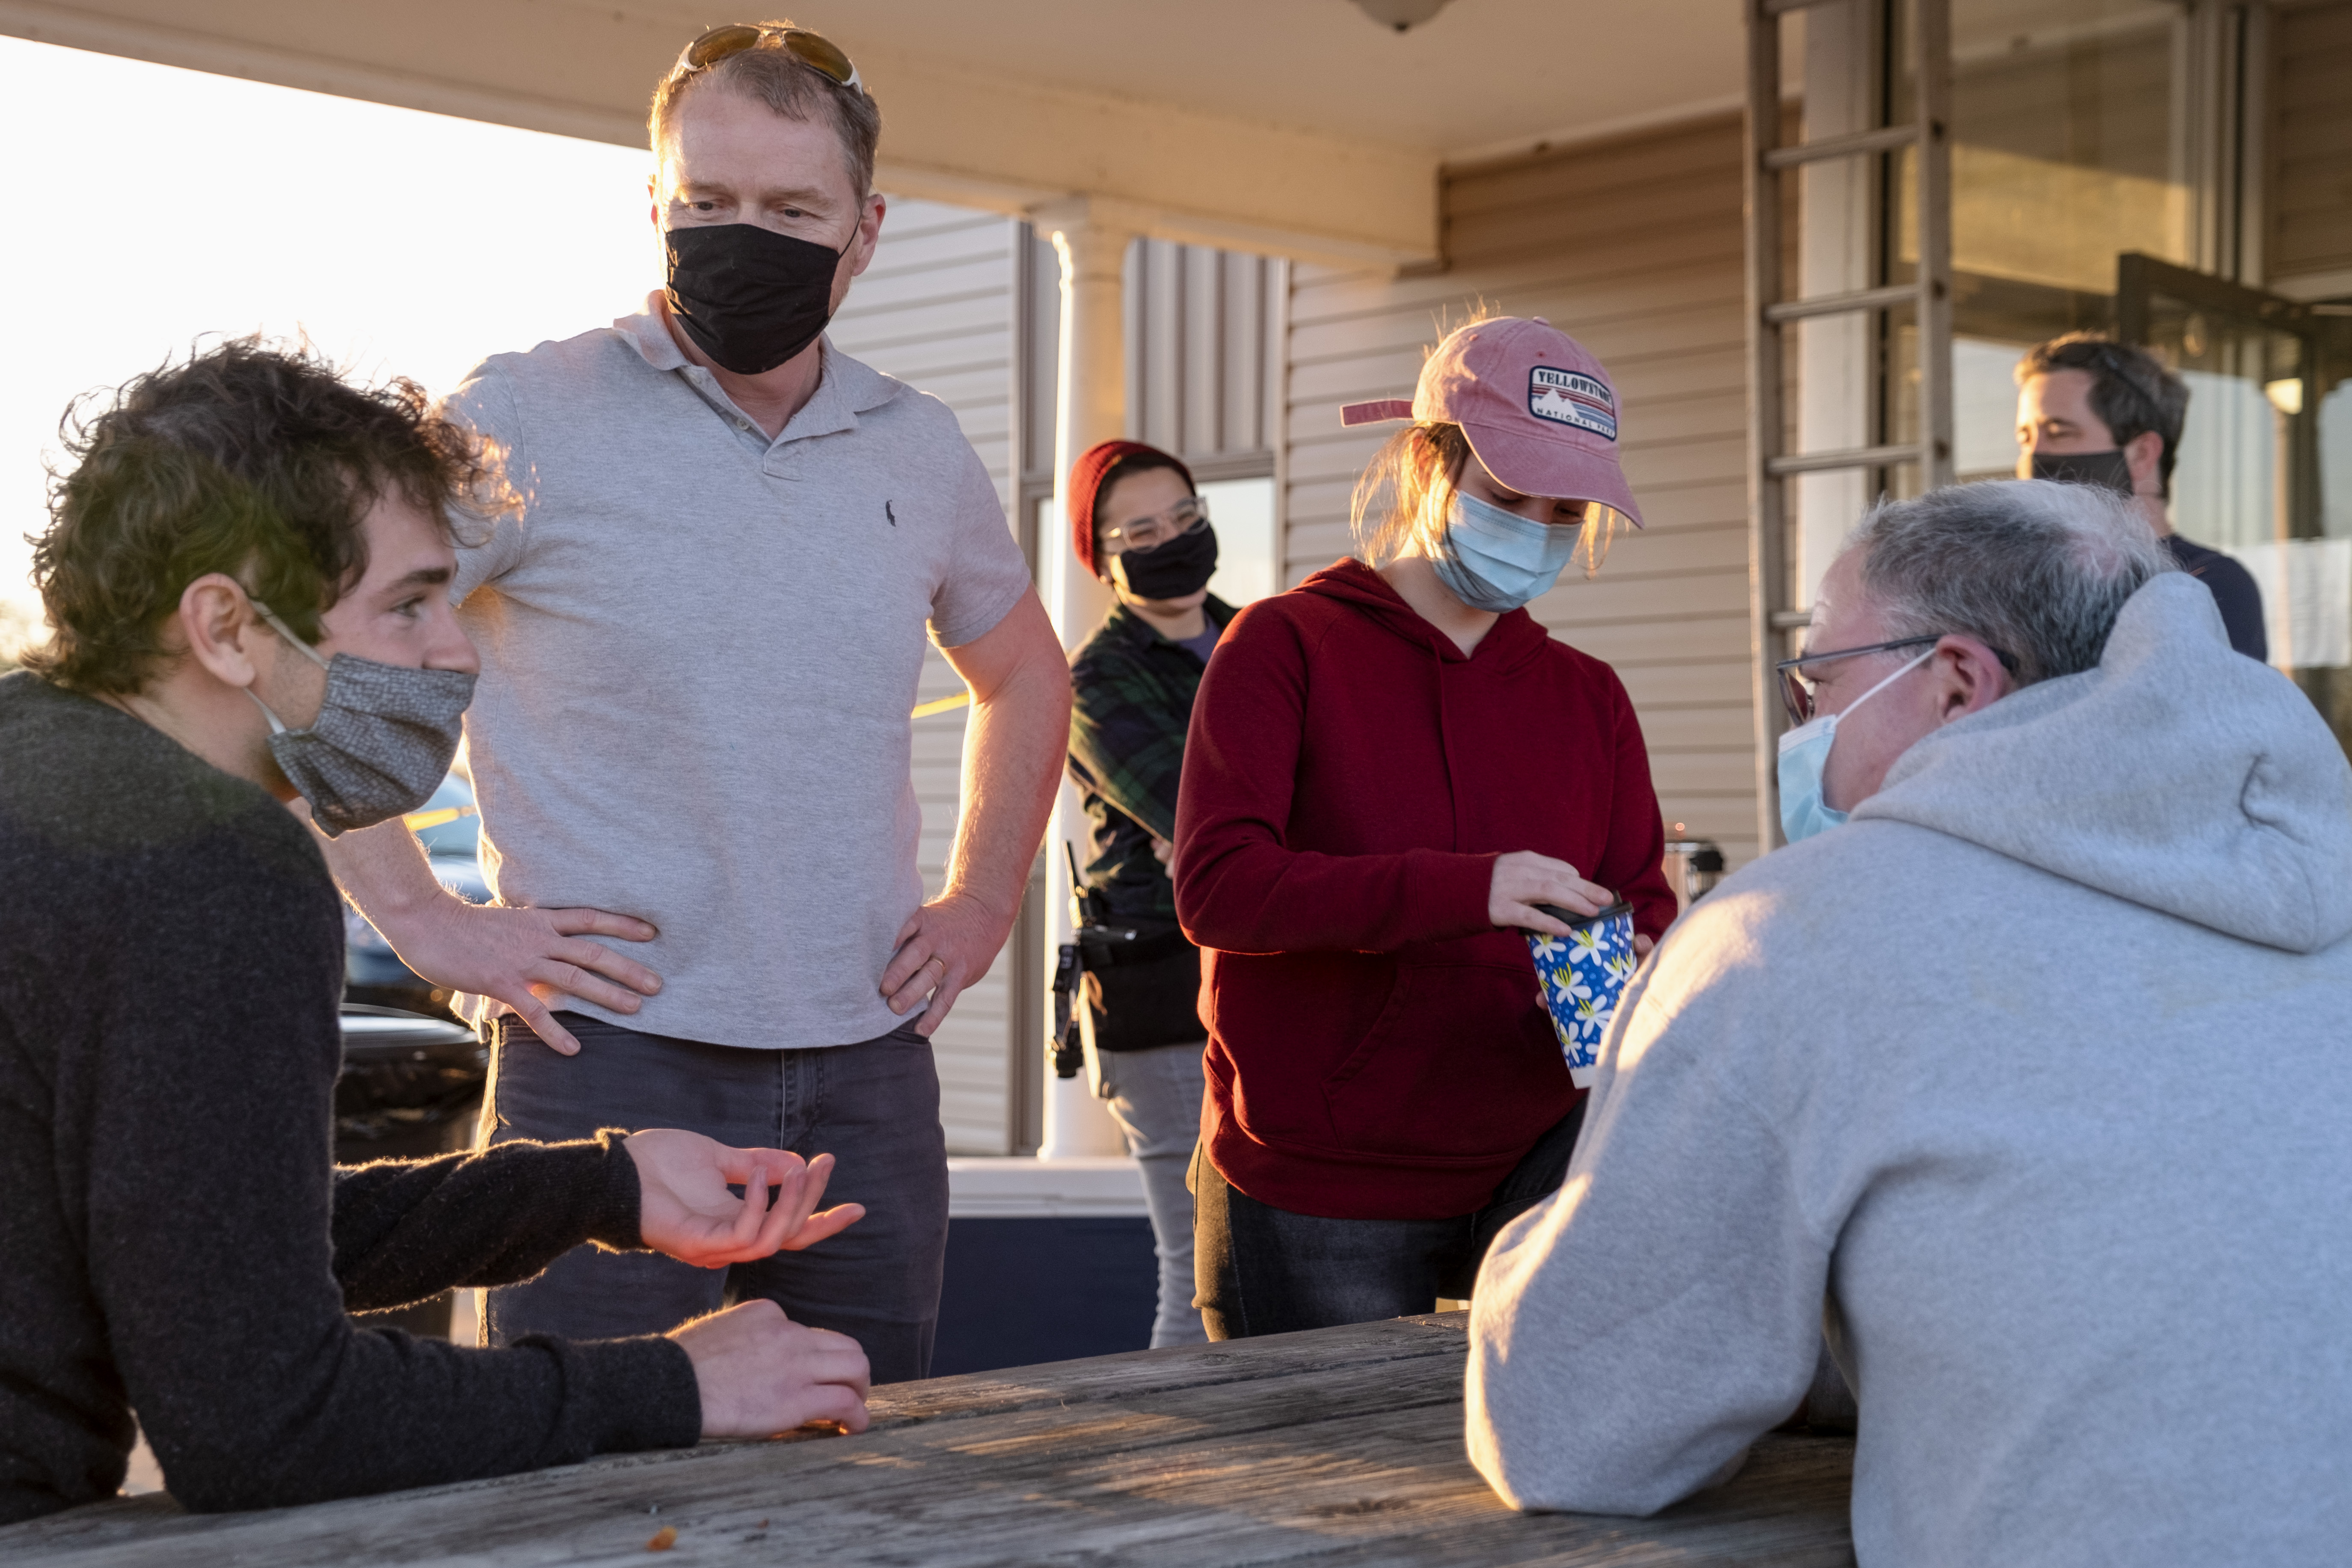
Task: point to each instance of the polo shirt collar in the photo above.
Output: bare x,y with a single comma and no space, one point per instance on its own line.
844,387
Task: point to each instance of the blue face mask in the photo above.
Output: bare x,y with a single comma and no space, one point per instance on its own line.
1496,560
1805,756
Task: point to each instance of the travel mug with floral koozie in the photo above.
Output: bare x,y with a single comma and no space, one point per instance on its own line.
1581,975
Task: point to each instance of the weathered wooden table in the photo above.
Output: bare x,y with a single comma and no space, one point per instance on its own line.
1339,1447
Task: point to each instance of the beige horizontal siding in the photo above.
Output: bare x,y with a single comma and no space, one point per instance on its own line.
935,310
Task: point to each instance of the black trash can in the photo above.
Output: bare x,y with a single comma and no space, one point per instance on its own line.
411,1089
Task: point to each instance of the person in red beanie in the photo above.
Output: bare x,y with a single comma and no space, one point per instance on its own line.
1389,768
1136,522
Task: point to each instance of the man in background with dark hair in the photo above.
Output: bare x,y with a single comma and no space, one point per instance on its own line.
246,575
2092,411
701,634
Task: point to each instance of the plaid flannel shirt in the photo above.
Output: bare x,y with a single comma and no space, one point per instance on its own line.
1131,692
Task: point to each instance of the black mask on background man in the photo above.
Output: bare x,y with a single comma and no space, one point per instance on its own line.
748,297
2109,469
1180,567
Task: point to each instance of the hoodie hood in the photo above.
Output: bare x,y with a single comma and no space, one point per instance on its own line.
2178,775
1516,638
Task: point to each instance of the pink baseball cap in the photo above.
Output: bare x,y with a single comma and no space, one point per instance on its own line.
1540,410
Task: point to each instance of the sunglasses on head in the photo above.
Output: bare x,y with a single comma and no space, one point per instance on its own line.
814,50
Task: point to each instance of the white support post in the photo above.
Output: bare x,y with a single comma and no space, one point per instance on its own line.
1090,405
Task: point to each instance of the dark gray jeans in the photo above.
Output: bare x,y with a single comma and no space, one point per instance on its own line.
1265,1270
874,1106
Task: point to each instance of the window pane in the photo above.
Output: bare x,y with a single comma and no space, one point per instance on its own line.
2068,148
1241,512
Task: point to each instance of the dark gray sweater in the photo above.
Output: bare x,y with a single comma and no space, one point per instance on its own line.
174,1237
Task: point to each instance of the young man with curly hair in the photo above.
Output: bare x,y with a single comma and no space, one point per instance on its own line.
246,577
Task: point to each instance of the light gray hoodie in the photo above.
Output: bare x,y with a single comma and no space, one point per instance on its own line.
2041,1069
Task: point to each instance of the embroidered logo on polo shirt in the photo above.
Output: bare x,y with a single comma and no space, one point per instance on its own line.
1571,397
890,514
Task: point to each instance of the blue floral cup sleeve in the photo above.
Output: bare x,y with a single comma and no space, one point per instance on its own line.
1581,975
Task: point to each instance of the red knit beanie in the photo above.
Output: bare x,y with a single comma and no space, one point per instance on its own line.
1086,482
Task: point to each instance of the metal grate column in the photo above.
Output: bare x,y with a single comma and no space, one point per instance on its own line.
1773,614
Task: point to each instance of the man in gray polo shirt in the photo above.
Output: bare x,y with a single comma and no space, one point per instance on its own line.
701,638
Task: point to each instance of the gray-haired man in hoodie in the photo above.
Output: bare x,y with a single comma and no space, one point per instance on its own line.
2037,1072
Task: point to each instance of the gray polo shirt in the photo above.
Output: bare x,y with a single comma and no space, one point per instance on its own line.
699,651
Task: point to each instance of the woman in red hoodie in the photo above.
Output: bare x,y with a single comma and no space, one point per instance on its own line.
1388,768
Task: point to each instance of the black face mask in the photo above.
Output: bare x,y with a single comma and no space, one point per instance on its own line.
1183,565
748,297
2108,469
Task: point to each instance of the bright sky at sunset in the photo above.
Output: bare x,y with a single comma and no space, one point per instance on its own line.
151,206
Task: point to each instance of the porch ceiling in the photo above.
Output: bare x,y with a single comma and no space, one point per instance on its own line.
1298,127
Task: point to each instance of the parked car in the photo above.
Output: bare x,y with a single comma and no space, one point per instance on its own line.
451,833
413,1076
411,1089
409,1086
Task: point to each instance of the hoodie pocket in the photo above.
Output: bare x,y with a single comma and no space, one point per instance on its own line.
1461,1063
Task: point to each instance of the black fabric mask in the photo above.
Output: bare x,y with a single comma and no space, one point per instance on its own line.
1183,565
750,297
2109,469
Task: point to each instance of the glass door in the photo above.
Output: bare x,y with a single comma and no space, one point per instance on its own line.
2073,140
2265,471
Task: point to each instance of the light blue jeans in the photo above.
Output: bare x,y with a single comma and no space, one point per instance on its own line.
1155,1098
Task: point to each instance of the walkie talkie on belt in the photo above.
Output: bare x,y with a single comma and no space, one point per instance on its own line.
1096,945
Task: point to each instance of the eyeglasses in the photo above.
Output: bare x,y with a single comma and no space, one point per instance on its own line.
1797,693
818,53
1137,535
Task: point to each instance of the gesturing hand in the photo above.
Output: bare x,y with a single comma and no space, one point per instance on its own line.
686,1210
943,947
1525,878
760,1373
522,957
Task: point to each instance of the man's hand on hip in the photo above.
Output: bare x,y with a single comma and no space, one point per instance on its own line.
943,947
1013,747
525,957
520,957
685,1209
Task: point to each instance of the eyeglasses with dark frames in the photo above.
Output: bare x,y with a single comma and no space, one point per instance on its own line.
814,50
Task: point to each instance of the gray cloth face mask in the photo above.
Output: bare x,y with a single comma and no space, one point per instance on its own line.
382,744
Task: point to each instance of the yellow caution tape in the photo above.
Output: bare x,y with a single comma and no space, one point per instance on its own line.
944,705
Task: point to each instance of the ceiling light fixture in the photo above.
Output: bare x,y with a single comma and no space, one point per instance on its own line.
1401,13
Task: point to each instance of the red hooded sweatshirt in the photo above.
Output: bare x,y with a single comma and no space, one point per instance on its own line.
1377,1049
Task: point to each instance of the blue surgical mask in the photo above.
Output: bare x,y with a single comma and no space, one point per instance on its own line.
1496,560
1805,756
